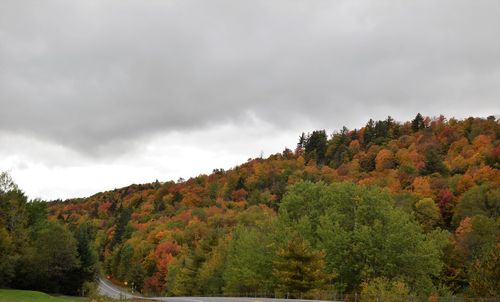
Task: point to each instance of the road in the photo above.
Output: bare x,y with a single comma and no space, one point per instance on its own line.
106,288
226,299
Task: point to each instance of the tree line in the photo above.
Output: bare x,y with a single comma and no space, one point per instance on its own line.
393,208
41,254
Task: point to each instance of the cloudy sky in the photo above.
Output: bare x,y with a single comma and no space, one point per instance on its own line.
100,94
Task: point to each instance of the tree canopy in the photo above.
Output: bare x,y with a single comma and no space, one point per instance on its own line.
391,206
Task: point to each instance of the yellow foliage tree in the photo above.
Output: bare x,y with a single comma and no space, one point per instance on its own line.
384,160
421,185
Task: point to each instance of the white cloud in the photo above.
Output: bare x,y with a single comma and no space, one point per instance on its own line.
61,173
98,94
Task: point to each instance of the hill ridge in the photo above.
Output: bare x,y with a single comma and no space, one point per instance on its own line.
429,166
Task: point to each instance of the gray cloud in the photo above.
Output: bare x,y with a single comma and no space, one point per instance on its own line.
95,75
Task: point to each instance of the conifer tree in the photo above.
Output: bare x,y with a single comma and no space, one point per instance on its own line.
315,146
433,162
369,132
417,123
299,269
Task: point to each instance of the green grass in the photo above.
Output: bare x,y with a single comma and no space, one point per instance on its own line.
13,295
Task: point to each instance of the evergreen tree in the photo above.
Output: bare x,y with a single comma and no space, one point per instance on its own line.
122,221
338,151
315,146
369,133
433,161
417,123
88,269
299,269
301,144
381,132
124,261
390,123
136,276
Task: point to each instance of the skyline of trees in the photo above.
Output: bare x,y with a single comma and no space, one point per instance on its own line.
396,207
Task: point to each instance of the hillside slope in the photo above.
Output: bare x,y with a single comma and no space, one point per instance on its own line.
180,237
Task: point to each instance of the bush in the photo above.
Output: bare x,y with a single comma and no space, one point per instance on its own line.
89,289
384,290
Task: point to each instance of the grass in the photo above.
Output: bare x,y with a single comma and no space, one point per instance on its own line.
13,295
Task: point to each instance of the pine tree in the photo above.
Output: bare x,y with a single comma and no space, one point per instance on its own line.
315,146
417,123
299,269
369,132
300,145
88,268
433,162
122,221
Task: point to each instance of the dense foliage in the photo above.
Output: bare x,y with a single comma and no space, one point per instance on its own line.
410,208
36,253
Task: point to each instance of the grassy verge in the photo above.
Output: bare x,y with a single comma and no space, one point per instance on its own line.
14,295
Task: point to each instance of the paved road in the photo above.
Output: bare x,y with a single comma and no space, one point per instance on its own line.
106,288
226,299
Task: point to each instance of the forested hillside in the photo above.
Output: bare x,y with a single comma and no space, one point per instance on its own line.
410,208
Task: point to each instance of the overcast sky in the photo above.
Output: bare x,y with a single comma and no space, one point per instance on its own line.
100,94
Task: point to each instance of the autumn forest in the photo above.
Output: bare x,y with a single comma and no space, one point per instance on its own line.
407,208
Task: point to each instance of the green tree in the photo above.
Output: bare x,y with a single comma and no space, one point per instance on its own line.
369,133
181,276
6,183
433,161
7,258
43,255
136,276
299,269
479,200
211,272
427,213
121,224
88,269
364,236
249,261
417,123
14,232
482,236
13,216
55,257
484,275
37,212
382,289
125,256
315,146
